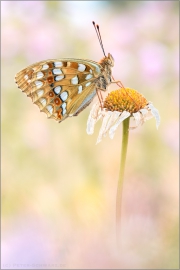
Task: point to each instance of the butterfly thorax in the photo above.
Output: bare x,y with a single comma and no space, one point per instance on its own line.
105,78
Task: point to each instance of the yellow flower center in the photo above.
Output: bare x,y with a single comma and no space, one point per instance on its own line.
125,100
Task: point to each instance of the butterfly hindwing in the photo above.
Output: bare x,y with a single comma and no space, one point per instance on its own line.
60,87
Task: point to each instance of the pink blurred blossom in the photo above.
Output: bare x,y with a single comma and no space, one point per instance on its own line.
153,60
11,41
171,135
43,41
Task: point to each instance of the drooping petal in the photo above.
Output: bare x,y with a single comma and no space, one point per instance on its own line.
145,115
122,117
148,116
112,120
94,116
144,111
155,113
137,118
102,132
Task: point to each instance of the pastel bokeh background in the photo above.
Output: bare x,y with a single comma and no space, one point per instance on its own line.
58,187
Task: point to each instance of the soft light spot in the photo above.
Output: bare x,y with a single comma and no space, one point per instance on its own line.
57,89
74,80
58,78
58,64
38,84
81,67
64,96
57,71
90,71
87,84
79,89
26,77
39,75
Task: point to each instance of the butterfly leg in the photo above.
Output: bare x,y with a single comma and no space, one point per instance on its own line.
100,97
119,83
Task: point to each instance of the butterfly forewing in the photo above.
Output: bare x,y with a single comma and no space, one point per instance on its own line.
60,87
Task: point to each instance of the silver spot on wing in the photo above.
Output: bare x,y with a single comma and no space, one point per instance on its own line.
81,67
64,96
57,89
79,89
74,80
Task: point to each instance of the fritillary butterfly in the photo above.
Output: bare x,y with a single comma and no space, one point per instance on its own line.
66,86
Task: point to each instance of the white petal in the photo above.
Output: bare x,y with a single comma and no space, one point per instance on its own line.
144,111
94,116
102,131
155,113
122,117
114,116
137,118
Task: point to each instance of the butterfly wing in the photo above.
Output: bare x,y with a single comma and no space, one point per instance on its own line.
60,87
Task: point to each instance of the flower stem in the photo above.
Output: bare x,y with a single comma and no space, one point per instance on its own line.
125,135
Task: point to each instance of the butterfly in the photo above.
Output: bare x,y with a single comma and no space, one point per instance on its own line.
66,86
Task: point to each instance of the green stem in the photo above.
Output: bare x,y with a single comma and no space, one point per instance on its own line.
125,135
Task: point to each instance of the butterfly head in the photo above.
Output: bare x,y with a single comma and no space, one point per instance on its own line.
110,60
107,61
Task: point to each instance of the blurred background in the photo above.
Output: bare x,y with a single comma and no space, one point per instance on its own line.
58,187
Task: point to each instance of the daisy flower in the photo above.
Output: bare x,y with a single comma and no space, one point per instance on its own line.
118,106
121,106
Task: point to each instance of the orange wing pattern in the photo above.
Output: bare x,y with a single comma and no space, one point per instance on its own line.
60,87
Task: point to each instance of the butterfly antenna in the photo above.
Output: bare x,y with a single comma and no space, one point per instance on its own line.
97,26
99,37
